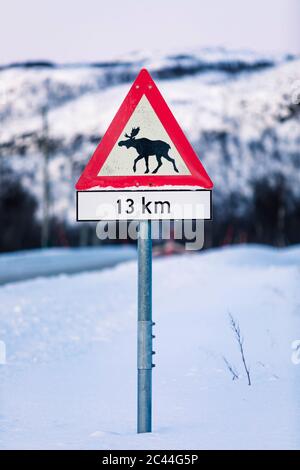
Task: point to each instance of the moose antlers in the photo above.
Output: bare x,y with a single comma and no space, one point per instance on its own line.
134,132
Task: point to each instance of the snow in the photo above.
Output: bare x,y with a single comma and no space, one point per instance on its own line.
70,378
48,262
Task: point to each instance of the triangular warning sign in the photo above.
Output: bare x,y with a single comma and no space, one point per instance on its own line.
144,146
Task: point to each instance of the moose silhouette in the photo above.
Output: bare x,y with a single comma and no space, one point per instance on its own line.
145,148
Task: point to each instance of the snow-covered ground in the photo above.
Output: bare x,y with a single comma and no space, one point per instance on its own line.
70,378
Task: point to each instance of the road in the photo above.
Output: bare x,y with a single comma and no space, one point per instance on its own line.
30,264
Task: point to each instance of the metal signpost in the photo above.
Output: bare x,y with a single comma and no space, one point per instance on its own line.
144,169
144,359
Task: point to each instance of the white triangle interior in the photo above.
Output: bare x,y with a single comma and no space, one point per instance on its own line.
120,161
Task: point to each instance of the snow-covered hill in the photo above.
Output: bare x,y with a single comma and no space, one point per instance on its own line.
70,378
239,109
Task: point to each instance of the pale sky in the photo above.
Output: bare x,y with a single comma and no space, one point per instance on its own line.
91,30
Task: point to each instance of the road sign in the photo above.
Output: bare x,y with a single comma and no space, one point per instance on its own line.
144,148
144,169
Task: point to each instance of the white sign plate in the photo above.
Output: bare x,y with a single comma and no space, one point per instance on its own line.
144,205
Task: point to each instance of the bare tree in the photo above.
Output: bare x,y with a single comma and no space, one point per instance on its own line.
45,146
240,340
46,185
231,369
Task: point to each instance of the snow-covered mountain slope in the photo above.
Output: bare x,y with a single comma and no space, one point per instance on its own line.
239,110
70,378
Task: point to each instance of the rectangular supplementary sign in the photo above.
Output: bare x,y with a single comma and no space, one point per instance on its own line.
144,205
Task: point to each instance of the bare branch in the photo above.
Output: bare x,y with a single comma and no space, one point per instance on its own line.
231,369
237,331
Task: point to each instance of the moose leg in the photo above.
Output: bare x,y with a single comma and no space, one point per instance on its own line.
159,164
147,163
139,157
170,159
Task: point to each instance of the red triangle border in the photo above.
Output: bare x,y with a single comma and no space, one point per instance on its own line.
143,85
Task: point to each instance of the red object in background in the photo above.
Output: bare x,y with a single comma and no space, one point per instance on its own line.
144,85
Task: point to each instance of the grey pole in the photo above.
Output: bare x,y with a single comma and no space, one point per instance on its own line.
144,359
